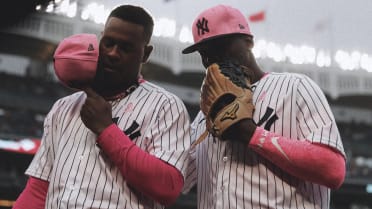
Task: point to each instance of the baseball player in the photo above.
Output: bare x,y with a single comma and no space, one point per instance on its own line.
261,140
122,141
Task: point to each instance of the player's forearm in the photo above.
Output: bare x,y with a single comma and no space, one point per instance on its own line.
143,171
33,196
154,177
312,162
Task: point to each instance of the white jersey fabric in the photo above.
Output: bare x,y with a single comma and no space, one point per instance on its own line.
79,173
231,176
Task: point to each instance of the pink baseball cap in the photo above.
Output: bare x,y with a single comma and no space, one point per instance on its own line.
215,22
75,60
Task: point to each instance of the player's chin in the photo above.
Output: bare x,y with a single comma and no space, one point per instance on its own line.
78,85
107,76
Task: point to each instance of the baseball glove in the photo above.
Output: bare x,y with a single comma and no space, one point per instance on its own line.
226,98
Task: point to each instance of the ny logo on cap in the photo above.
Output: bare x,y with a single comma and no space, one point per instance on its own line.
90,47
202,26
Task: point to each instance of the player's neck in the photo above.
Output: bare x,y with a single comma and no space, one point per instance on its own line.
258,74
118,93
122,94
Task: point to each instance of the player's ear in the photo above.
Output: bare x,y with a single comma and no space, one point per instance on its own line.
147,51
250,42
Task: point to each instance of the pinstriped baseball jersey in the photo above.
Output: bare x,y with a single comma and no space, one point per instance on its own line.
230,175
79,173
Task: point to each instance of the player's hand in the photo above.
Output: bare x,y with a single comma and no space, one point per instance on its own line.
242,131
226,97
95,112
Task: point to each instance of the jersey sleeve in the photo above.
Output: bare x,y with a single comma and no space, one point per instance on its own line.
170,134
315,118
42,163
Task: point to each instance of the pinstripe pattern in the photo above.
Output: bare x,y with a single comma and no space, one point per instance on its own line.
80,174
233,176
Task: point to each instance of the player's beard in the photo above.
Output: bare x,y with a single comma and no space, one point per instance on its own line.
109,84
104,85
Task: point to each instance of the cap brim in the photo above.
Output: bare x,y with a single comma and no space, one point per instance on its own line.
196,46
191,48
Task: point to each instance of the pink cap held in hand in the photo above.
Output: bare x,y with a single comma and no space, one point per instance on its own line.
215,22
75,60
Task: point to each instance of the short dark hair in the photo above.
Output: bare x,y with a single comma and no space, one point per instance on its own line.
136,15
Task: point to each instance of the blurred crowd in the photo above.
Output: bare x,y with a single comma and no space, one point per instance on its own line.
24,102
357,139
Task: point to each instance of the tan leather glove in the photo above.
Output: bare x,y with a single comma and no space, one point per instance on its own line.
226,98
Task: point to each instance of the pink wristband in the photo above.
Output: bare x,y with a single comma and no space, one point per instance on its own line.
317,163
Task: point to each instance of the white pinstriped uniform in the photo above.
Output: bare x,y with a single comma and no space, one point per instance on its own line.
80,174
232,176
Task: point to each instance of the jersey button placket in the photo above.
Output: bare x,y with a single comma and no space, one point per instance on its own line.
220,187
224,159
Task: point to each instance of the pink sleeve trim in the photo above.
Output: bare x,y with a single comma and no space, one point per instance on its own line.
34,194
313,162
143,171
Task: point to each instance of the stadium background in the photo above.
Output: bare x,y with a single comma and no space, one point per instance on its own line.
28,88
